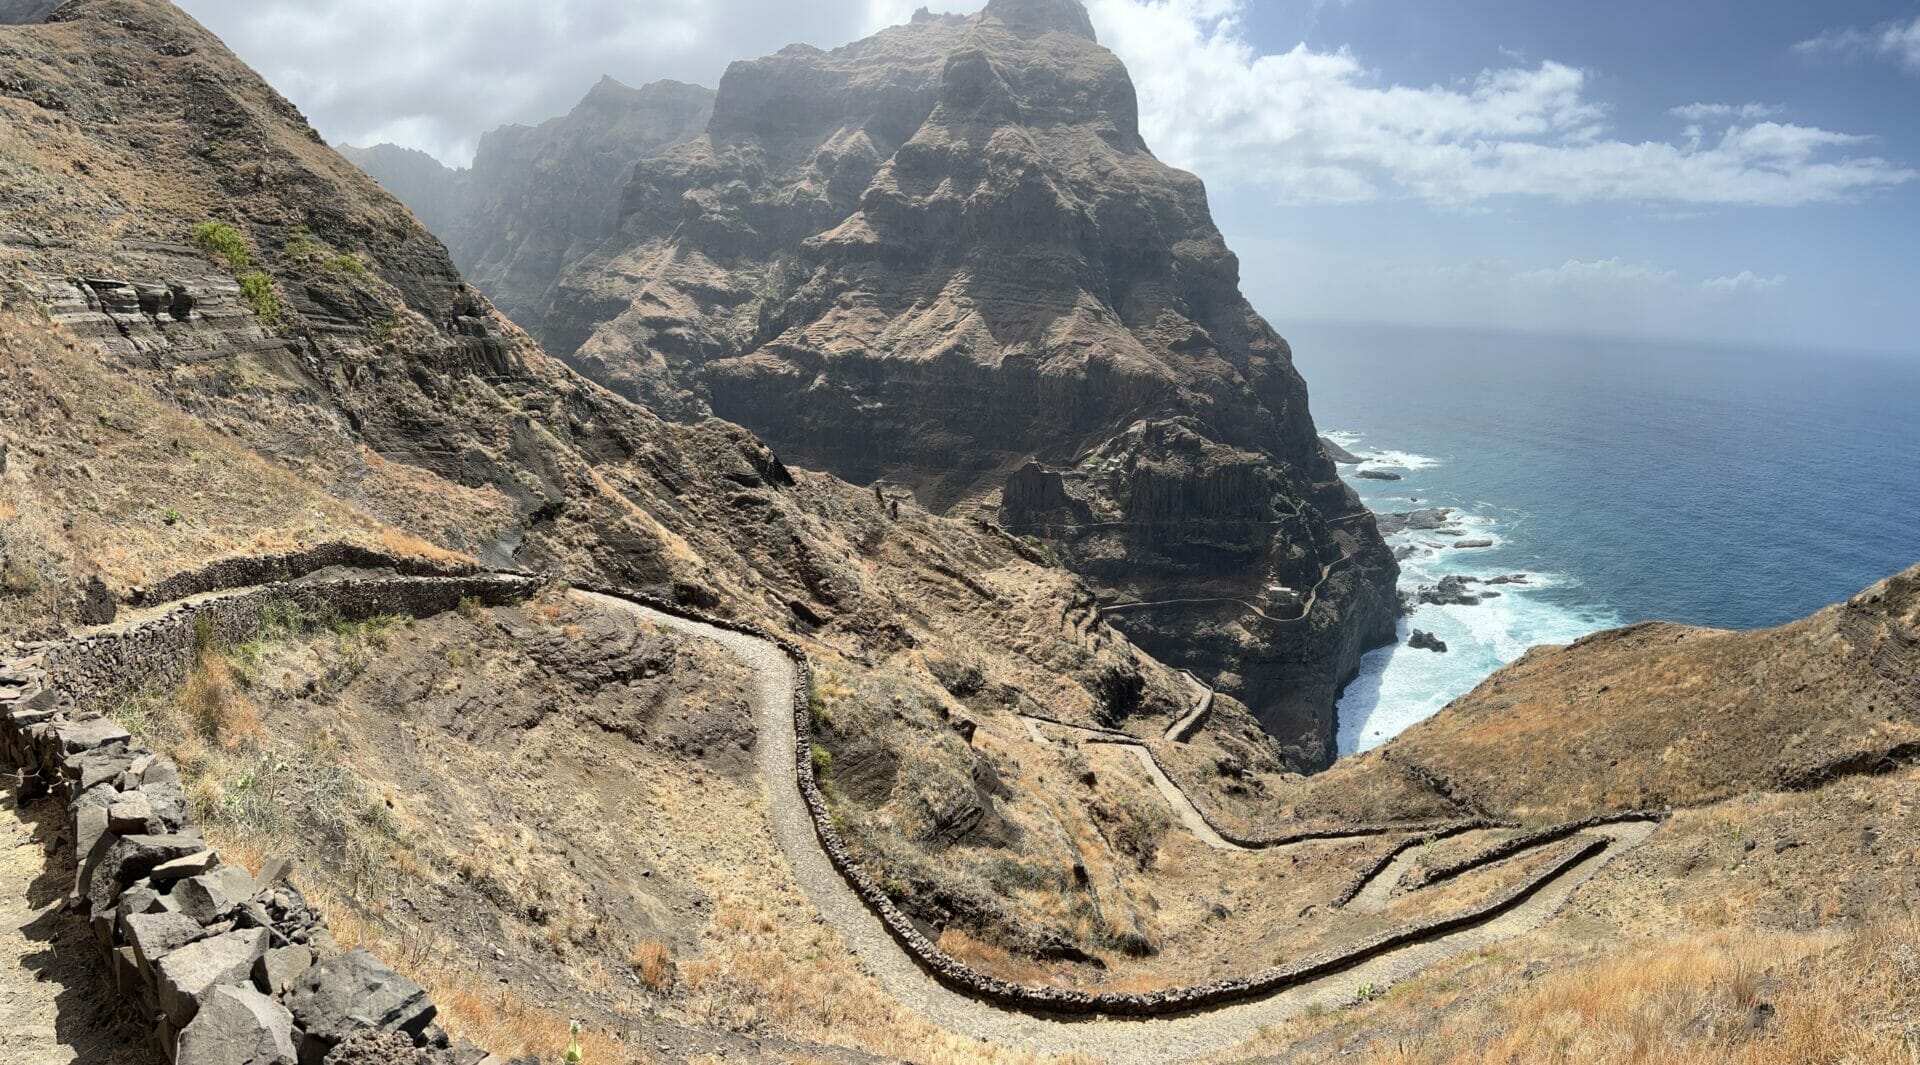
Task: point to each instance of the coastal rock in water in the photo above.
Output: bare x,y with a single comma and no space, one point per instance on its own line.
1464,544
1414,520
1512,578
1377,475
1340,454
1451,591
1427,641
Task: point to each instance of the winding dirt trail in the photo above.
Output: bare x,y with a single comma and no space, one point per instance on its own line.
1118,1040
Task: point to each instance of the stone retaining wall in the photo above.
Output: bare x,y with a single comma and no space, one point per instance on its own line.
260,965
1359,883
1257,843
252,571
1064,1001
1511,847
223,965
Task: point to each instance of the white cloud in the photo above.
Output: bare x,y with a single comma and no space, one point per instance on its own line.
435,74
1320,127
1744,281
1743,112
1598,274
1618,278
1899,41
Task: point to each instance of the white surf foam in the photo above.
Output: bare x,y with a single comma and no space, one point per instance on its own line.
1400,686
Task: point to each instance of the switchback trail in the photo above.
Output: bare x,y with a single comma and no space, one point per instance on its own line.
1123,1041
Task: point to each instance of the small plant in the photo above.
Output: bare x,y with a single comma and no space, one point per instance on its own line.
653,963
223,242
172,516
203,634
257,289
385,330
822,762
1366,993
344,264
18,578
574,1054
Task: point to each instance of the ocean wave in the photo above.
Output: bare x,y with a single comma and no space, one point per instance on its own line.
1398,460
1399,686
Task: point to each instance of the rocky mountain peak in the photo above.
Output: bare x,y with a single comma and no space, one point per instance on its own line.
1042,16
943,253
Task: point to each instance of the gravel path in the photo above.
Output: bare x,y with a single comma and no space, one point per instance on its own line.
1183,807
55,1003
1144,1042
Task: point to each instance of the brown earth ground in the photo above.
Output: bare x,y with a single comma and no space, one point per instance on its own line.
58,1005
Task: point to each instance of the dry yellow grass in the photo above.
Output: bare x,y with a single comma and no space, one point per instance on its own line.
653,961
1721,998
219,711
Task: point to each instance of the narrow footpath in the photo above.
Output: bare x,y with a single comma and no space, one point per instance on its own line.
1121,1041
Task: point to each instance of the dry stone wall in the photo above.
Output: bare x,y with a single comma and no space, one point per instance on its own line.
225,966
1066,1001
214,957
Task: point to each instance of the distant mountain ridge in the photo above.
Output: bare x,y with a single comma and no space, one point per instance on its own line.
539,198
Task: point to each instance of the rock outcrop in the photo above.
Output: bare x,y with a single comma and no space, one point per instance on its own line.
540,198
943,257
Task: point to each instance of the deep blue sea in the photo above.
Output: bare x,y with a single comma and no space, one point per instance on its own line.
1632,480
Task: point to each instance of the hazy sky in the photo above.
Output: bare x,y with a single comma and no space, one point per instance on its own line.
1737,170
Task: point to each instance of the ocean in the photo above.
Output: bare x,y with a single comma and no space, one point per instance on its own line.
1629,480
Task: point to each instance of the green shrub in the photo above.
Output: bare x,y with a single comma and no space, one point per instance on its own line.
822,762
172,516
257,289
223,242
344,264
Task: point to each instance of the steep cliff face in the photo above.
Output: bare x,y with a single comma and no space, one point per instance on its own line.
540,198
943,257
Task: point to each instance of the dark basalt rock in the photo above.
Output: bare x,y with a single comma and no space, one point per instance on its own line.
1427,641
1451,591
1377,475
352,992
1339,454
1416,520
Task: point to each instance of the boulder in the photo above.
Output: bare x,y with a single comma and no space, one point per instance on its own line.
130,814
211,895
1377,475
188,973
129,858
73,737
181,868
1464,544
279,967
351,992
165,795
1427,641
153,936
238,1026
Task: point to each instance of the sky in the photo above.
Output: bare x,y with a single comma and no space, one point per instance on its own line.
1726,171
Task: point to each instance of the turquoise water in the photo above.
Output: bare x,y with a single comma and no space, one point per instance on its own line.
1631,480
